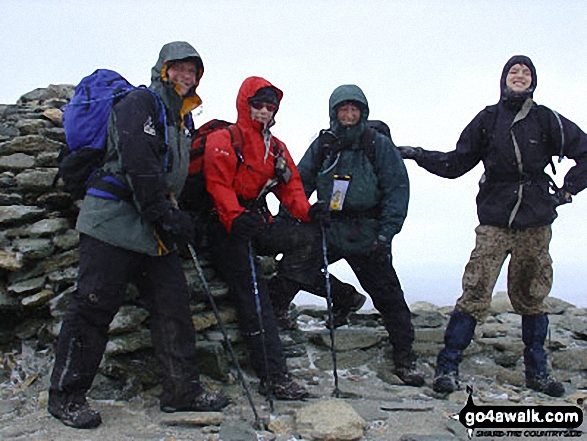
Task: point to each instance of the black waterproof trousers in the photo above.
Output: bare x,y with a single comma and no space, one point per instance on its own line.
232,258
104,274
378,278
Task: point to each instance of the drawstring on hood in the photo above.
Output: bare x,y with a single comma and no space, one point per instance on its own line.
509,97
266,140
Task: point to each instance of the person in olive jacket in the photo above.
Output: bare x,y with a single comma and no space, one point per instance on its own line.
368,201
515,140
136,240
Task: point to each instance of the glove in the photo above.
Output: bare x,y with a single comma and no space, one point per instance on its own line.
176,227
248,225
561,196
410,152
331,142
319,213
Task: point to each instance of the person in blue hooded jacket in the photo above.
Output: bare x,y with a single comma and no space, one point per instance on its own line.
137,240
368,199
515,140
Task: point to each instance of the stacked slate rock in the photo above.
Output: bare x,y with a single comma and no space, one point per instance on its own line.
39,246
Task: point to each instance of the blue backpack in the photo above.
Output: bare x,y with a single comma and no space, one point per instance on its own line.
85,120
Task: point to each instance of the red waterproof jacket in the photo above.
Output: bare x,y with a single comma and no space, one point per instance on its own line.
227,179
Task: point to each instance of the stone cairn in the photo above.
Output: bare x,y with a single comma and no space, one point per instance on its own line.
38,269
39,255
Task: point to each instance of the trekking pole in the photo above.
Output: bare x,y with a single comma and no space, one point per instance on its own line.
239,370
336,391
261,326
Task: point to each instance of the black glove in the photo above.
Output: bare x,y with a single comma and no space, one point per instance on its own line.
562,196
331,143
320,213
410,152
248,225
176,228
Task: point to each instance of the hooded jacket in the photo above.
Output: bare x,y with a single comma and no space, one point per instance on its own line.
376,201
230,180
514,190
149,158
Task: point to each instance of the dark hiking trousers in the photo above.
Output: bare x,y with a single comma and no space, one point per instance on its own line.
231,258
104,273
378,278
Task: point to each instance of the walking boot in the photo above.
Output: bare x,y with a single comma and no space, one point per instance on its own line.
341,312
285,319
457,336
410,375
446,383
404,361
345,300
534,330
282,292
284,387
201,400
546,384
73,410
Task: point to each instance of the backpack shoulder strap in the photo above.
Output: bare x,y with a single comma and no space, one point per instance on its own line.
161,109
368,143
487,124
323,146
544,114
544,120
236,139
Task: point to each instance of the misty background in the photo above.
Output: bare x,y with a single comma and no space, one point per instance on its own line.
426,67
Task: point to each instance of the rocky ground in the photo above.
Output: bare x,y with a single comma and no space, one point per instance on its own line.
373,405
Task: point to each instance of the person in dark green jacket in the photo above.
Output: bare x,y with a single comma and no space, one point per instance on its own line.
136,240
368,204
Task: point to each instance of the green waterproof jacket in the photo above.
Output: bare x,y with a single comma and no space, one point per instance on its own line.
376,201
149,158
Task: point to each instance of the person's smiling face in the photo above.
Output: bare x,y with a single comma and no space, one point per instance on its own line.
519,78
183,75
348,114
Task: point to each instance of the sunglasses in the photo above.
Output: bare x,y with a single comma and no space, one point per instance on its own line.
260,104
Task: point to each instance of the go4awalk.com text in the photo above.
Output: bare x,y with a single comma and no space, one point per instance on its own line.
528,433
495,421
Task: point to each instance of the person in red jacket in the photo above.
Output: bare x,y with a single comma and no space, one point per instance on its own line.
238,183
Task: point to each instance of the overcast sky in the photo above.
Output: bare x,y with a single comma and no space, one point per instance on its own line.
426,67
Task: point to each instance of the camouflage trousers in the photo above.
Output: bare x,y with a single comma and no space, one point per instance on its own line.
529,277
